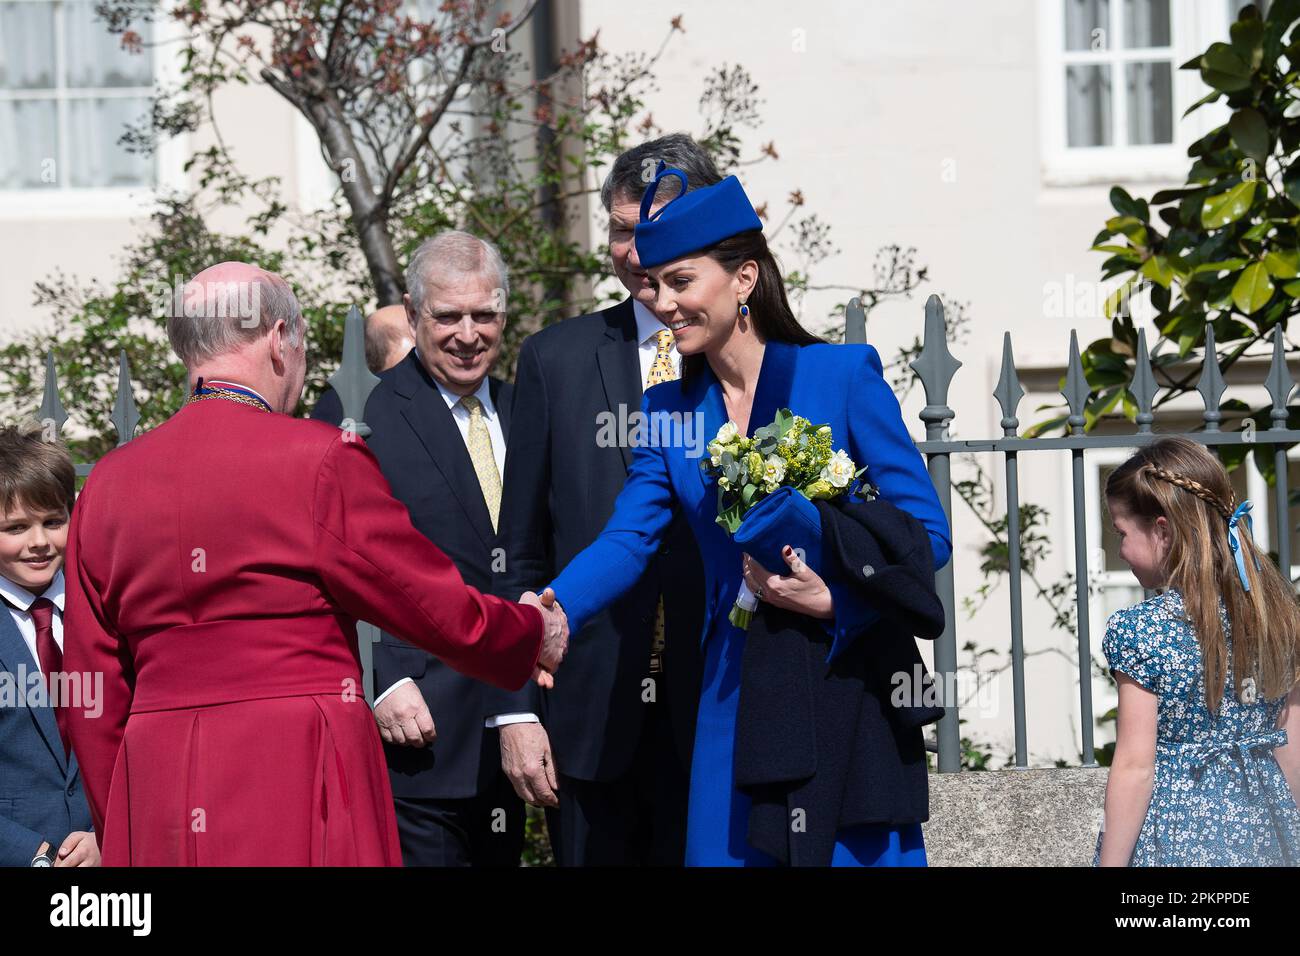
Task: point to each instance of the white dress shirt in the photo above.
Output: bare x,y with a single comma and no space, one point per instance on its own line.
20,605
461,415
647,329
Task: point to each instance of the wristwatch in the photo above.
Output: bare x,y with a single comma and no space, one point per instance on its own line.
42,857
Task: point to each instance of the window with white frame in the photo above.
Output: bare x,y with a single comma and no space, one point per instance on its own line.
67,93
1112,93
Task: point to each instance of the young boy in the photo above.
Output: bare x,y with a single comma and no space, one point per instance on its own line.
44,818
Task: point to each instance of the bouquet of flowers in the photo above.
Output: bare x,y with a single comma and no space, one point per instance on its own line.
766,486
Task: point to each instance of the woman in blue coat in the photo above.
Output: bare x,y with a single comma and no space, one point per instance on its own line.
744,357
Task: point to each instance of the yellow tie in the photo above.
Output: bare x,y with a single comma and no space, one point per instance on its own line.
485,462
661,370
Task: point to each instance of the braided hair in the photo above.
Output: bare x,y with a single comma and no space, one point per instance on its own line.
1196,488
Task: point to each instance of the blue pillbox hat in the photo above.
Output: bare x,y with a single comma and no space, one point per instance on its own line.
691,221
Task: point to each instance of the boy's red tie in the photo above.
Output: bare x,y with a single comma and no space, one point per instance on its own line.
49,654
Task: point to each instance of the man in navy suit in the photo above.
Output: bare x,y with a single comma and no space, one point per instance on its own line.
458,749
621,718
44,818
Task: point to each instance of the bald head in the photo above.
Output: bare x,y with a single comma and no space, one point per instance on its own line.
388,337
228,306
235,320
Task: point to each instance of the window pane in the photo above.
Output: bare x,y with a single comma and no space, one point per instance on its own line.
1150,103
1146,23
28,130
1086,23
1087,105
26,46
95,56
94,127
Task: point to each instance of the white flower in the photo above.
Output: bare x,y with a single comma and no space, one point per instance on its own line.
839,470
715,453
773,471
727,433
824,430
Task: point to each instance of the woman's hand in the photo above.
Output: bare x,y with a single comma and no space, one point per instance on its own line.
802,590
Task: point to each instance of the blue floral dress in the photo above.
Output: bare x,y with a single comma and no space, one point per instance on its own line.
1219,797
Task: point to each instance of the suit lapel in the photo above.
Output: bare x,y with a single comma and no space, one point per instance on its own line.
775,381
502,395
13,653
620,367
429,417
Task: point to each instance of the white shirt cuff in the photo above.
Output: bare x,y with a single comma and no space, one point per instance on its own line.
404,680
500,720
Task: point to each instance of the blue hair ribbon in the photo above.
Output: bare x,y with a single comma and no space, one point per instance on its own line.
1234,542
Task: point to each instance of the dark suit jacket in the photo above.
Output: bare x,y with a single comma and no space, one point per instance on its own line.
424,458
841,740
40,788
560,487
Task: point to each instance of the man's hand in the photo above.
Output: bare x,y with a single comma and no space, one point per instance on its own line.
527,761
79,849
404,718
555,643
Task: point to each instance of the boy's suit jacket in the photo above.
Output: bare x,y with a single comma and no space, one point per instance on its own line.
40,788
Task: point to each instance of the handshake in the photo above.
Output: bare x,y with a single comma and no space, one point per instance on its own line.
555,642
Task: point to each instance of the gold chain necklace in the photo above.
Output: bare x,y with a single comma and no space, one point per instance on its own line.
216,391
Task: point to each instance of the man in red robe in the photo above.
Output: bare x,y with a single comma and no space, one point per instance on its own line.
217,566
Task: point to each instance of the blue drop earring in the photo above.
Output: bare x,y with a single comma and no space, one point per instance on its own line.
744,311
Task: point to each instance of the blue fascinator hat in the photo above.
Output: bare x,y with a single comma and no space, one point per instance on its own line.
691,221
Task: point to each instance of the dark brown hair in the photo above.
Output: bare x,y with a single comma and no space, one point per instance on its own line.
1178,479
34,472
769,309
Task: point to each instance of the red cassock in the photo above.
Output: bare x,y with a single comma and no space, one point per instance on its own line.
216,569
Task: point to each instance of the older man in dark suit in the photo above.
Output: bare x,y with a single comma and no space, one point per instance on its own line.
440,422
622,717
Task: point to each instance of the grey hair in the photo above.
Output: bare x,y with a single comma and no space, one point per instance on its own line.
454,251
220,317
634,170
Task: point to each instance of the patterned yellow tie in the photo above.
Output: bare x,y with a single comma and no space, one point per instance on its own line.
485,462
661,370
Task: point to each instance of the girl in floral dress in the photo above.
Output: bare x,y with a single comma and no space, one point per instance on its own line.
1207,759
